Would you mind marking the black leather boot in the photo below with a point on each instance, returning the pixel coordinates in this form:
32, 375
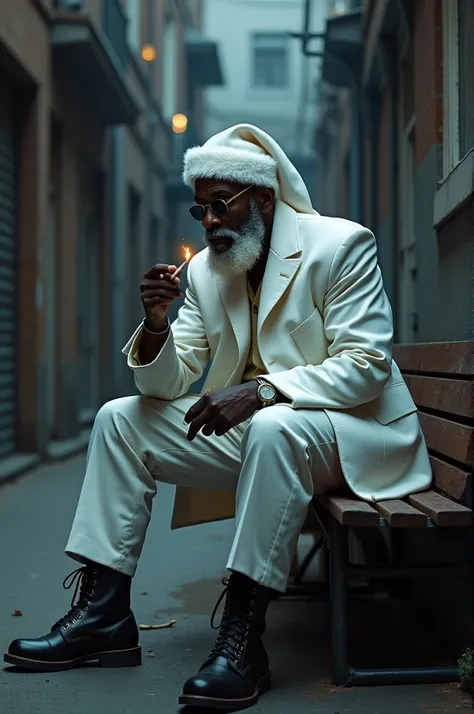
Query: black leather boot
237, 669
99, 626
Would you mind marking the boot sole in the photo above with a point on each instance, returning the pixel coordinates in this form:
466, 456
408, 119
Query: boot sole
228, 704
111, 658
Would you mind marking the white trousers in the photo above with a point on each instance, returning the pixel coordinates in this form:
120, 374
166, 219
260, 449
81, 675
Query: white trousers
276, 461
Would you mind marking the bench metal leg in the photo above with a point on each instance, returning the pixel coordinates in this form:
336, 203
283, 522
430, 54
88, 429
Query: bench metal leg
297, 588
339, 602
343, 673
429, 675
307, 560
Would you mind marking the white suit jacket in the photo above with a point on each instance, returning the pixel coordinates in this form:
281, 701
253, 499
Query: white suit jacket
325, 336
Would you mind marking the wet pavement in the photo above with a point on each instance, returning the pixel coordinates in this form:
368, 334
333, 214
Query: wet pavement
178, 578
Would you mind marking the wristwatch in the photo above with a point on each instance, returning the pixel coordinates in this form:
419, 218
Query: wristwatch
266, 392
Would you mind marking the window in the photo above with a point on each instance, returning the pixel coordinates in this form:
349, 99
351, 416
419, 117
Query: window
270, 61
450, 85
458, 89
340, 7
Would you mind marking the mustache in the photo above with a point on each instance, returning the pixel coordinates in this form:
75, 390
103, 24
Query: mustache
222, 233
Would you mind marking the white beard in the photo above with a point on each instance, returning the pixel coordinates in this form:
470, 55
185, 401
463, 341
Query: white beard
246, 248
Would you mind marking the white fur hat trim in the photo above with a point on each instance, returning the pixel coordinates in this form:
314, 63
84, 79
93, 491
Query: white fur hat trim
230, 164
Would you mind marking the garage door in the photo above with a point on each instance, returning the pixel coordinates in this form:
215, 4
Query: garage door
8, 263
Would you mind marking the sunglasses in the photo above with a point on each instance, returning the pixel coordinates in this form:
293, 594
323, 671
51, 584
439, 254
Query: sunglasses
219, 206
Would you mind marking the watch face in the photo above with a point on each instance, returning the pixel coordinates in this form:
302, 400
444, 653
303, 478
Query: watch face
267, 392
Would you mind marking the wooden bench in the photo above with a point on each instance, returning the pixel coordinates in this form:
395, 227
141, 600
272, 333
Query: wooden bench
440, 377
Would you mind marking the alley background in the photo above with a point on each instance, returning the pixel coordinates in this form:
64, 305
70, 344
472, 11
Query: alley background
374, 103
100, 98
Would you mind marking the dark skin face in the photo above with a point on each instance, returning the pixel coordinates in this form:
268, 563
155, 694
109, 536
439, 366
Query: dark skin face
219, 410
208, 190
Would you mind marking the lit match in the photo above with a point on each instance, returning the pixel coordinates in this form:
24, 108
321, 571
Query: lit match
179, 270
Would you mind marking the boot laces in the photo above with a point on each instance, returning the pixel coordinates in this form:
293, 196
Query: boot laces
235, 622
84, 582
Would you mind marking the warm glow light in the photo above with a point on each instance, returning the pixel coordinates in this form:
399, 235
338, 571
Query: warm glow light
179, 123
179, 270
148, 53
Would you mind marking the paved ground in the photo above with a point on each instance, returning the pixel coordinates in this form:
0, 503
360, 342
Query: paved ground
179, 578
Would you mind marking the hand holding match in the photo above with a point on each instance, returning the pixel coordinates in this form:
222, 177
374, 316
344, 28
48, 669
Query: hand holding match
158, 290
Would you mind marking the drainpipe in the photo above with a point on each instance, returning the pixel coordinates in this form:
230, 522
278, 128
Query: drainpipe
151, 135
373, 122
356, 169
117, 297
390, 78
395, 202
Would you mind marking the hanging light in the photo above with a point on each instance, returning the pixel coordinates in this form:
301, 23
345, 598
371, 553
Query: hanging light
148, 53
179, 123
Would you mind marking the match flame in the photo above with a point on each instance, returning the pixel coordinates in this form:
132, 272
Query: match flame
187, 254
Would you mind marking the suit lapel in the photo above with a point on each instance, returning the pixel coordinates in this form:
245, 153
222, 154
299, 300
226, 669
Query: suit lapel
279, 274
234, 295
283, 260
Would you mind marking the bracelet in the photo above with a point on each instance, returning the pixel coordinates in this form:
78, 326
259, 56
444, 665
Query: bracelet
158, 332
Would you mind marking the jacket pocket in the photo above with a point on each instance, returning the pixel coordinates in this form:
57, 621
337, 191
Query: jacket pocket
310, 338
394, 403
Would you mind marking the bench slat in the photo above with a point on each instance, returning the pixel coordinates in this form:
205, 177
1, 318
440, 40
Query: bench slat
453, 396
448, 438
456, 358
351, 512
440, 509
401, 515
449, 479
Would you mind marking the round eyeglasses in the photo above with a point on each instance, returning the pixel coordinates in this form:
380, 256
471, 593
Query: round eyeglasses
219, 206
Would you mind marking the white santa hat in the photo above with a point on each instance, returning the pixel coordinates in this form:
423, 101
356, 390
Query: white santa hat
247, 155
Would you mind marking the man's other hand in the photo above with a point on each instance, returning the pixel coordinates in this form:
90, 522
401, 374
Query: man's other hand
219, 410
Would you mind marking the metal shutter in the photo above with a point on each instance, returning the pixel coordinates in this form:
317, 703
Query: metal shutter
8, 267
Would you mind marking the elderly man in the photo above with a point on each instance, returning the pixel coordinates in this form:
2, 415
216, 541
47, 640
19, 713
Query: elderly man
302, 396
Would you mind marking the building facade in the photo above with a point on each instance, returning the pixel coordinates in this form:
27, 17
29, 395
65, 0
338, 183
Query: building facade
88, 177
267, 81
395, 147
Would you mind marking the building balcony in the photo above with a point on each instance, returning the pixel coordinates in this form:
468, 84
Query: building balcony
203, 63
94, 59
342, 58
